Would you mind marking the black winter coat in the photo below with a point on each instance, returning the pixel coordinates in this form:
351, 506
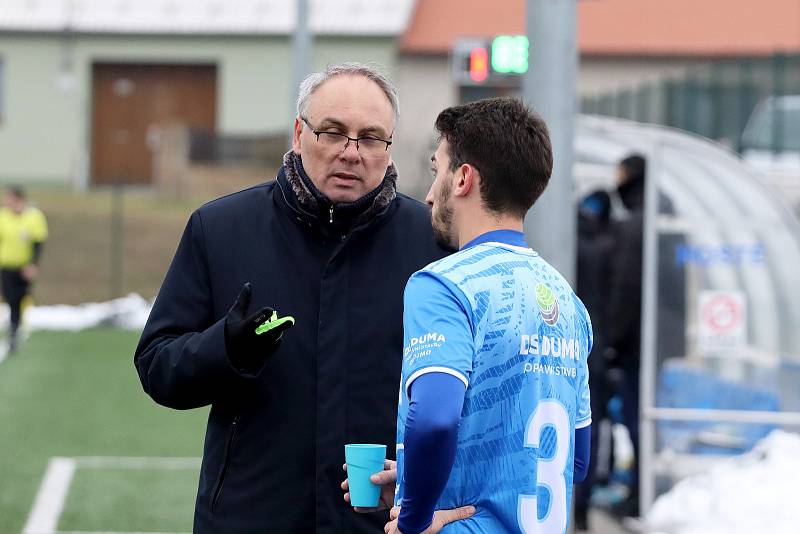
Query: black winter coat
625, 300
274, 445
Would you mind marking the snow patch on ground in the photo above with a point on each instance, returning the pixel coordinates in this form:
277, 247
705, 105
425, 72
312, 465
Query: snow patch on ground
752, 493
129, 312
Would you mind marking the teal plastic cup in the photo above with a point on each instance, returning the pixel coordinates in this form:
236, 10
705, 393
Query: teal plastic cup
363, 461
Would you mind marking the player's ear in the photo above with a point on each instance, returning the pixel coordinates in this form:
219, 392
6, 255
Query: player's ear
466, 179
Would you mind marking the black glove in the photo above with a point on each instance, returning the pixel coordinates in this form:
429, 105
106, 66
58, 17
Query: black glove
250, 340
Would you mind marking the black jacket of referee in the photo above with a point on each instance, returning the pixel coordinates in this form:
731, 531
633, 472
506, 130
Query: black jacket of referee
274, 445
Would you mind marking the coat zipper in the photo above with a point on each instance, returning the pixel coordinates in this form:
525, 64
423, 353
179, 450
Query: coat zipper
331, 215
225, 462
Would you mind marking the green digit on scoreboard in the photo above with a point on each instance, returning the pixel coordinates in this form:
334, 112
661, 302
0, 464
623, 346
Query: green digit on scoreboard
510, 54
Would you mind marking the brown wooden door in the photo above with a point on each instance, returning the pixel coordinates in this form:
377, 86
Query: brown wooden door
130, 101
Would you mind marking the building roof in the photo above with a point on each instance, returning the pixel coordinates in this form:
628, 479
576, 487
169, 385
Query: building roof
622, 27
342, 17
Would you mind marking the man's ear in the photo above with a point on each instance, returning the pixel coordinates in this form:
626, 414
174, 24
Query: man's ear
298, 129
466, 179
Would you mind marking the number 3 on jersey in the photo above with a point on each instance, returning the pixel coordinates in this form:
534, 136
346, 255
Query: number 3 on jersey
550, 472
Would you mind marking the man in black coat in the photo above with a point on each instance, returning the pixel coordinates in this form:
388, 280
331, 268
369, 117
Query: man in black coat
330, 244
594, 255
625, 306
625, 300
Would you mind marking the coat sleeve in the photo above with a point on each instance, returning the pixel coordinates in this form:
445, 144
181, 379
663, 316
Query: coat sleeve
181, 356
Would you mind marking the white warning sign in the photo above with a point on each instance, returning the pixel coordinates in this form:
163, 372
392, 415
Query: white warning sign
723, 320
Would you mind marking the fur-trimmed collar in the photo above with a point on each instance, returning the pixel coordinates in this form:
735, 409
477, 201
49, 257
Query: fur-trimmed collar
348, 215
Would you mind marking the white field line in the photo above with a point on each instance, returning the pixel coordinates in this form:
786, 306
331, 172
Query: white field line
46, 511
49, 503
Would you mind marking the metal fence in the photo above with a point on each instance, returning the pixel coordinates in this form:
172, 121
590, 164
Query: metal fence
714, 99
213, 148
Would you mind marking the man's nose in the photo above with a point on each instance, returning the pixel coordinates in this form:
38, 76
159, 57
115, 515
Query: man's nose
350, 151
429, 198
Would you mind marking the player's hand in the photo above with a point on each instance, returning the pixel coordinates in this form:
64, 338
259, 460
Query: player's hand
30, 272
248, 350
386, 479
440, 519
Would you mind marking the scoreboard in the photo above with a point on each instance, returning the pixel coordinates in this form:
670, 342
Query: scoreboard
492, 62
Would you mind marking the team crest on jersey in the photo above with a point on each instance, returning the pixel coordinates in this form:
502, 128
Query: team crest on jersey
548, 304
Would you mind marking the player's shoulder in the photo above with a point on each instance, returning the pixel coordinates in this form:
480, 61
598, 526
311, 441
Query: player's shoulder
439, 277
469, 260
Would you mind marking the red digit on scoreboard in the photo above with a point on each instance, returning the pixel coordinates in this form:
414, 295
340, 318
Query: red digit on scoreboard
479, 64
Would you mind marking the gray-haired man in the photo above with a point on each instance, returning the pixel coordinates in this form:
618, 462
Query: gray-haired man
331, 244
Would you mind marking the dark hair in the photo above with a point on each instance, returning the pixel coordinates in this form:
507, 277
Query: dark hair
634, 167
17, 191
507, 143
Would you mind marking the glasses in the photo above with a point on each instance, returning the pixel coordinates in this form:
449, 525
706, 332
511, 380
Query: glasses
367, 146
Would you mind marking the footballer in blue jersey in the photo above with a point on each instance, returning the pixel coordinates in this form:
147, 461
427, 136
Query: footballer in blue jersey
494, 397
504, 322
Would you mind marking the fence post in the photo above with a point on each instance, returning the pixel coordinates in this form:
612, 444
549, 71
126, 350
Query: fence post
670, 103
644, 103
689, 102
778, 82
744, 107
117, 239
717, 101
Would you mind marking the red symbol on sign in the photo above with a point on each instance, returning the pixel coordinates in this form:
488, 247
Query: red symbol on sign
722, 313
